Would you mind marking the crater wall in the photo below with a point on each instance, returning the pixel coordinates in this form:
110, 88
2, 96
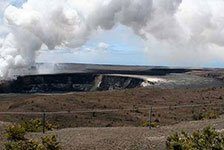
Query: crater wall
79, 82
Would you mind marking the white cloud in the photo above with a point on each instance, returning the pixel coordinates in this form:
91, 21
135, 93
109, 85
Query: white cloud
103, 46
3, 30
3, 5
1, 42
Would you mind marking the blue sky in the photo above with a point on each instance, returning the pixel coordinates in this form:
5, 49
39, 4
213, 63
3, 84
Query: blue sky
124, 47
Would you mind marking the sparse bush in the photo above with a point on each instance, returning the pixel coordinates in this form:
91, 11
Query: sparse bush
50, 142
50, 126
23, 145
35, 125
207, 139
153, 124
15, 133
211, 115
145, 124
207, 115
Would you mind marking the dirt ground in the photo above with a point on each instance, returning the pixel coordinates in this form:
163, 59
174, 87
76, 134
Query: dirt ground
209, 99
129, 138
119, 138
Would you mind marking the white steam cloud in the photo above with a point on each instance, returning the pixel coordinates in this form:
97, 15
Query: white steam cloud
180, 24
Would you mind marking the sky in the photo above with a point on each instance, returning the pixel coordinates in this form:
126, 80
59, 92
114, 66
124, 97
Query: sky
119, 45
104, 47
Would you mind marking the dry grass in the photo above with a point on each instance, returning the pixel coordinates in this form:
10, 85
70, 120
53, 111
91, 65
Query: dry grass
133, 98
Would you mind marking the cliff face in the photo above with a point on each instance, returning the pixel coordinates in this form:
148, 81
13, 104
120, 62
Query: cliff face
81, 82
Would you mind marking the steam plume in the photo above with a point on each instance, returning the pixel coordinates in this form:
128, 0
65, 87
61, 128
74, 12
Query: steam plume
69, 23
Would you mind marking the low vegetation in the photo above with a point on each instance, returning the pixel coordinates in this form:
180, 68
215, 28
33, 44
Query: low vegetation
16, 140
15, 133
206, 115
47, 143
50, 143
152, 124
207, 139
35, 125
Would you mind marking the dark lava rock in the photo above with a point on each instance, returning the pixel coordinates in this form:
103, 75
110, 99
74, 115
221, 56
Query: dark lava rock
80, 82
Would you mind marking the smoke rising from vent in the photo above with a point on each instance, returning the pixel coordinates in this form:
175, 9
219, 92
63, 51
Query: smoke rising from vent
180, 24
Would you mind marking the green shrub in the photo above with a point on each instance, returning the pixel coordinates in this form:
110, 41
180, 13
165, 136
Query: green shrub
47, 143
50, 127
147, 124
15, 133
211, 115
35, 125
207, 115
12, 146
50, 142
22, 145
207, 139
